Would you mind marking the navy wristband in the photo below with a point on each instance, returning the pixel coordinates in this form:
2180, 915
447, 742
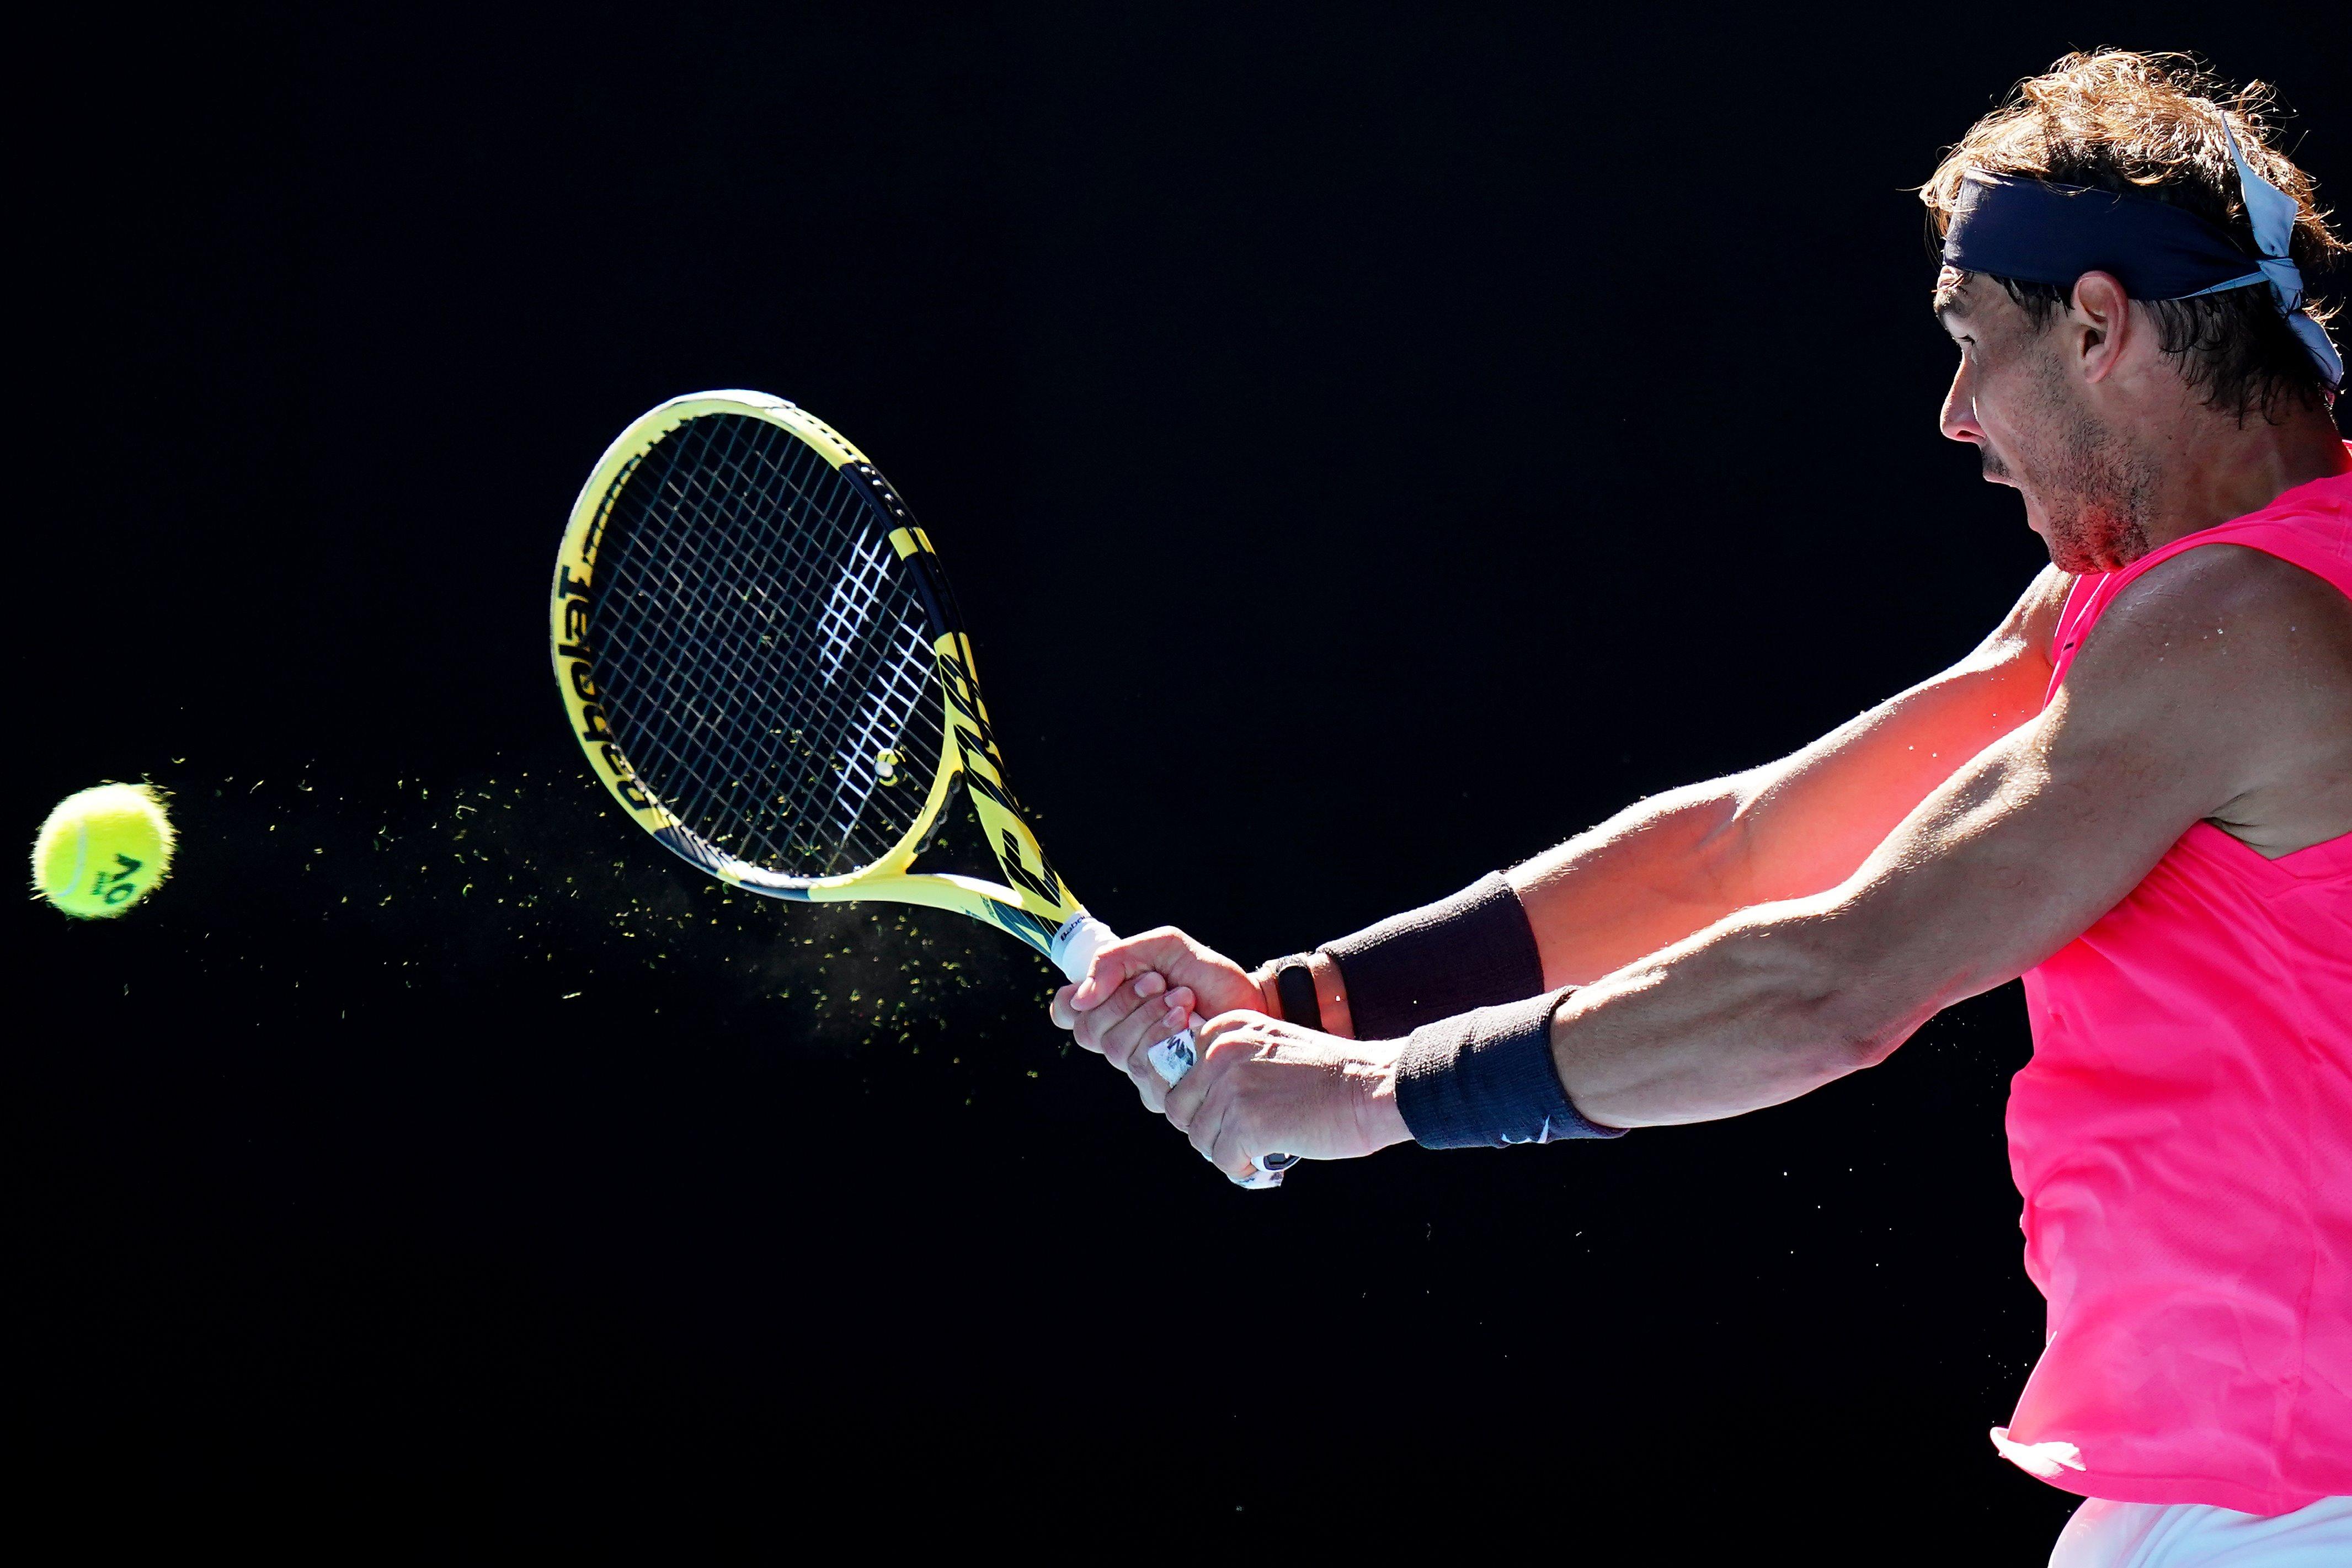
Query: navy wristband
1486, 1079
1473, 950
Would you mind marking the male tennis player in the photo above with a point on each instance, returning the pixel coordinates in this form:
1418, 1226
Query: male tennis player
2136, 794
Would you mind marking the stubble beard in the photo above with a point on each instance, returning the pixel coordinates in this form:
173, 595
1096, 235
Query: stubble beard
2095, 489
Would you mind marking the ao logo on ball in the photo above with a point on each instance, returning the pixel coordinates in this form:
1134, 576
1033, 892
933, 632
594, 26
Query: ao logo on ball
102, 849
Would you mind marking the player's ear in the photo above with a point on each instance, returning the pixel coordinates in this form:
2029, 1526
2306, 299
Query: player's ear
2099, 323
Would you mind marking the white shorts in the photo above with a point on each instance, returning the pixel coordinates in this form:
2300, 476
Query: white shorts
2104, 1534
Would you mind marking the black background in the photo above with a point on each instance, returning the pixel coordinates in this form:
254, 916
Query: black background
1369, 445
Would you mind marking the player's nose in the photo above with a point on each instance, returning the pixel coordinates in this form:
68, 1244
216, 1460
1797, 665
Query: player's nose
1957, 419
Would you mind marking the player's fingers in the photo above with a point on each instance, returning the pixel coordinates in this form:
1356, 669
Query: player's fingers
1224, 1131
1186, 1098
1149, 1082
1150, 1090
1085, 1027
1225, 1024
1118, 1024
1096, 1026
1120, 962
1146, 1024
1199, 1122
1230, 1151
1216, 1132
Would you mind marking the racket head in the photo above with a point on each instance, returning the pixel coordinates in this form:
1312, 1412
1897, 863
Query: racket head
761, 655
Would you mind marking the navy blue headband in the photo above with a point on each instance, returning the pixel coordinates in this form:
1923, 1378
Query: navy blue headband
2038, 232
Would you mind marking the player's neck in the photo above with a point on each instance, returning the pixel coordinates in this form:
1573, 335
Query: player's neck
2215, 468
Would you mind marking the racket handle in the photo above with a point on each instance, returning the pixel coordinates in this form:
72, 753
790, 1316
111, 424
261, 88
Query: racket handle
1072, 952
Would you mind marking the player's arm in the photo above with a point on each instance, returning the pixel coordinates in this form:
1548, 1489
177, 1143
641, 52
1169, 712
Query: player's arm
1675, 863
1657, 871
2200, 695
2218, 687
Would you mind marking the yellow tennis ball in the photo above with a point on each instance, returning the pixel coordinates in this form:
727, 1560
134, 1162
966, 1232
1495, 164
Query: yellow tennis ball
102, 848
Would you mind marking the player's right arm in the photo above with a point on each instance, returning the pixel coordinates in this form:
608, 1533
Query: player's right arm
1666, 866
1675, 863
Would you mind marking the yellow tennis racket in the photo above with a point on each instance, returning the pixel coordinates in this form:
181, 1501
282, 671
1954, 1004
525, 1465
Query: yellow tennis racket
761, 655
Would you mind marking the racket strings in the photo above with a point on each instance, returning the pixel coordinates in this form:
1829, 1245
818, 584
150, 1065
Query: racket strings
859, 558
765, 664
849, 782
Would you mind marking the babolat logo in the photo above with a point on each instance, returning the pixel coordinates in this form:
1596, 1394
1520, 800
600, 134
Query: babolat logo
633, 793
579, 673
596, 734
571, 593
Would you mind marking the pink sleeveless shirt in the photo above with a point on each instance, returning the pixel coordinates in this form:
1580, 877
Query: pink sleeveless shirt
2183, 1140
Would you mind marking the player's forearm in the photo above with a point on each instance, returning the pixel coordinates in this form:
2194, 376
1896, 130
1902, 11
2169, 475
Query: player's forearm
1778, 998
1653, 874
1657, 871
1671, 865
1676, 863
1760, 1009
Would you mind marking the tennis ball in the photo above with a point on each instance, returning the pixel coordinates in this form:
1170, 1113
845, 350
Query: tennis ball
102, 848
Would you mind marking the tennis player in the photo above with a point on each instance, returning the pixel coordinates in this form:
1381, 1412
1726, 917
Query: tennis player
2136, 794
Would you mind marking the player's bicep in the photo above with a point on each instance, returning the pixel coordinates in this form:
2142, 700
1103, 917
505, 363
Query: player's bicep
2055, 824
1806, 823
2004, 864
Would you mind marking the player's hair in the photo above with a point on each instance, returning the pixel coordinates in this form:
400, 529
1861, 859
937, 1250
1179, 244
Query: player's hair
2150, 124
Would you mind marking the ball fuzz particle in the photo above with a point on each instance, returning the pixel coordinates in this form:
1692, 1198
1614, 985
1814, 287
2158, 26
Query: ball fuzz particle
102, 849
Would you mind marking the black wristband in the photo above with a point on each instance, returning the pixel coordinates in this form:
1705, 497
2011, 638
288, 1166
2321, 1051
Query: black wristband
1293, 987
1473, 950
1486, 1079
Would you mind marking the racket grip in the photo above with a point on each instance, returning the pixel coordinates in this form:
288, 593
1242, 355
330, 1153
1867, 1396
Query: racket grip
1072, 952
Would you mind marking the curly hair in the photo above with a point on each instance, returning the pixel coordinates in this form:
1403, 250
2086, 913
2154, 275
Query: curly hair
2151, 125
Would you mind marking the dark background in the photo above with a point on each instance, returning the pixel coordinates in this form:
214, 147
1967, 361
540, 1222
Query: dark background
1369, 445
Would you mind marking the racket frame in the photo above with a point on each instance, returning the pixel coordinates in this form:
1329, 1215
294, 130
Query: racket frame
1038, 907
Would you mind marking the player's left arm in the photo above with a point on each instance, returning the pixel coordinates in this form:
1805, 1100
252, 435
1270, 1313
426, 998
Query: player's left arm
2218, 687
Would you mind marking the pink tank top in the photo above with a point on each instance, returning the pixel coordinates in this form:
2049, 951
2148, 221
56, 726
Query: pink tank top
2183, 1140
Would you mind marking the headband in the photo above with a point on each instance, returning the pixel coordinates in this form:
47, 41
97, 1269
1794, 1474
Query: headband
2036, 231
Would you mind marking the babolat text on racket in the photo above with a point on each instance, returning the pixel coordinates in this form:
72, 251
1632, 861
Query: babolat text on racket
761, 655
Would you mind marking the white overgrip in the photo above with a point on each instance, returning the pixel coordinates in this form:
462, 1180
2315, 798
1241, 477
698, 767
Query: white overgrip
1074, 946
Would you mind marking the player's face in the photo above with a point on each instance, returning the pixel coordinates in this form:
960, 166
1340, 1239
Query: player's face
2012, 399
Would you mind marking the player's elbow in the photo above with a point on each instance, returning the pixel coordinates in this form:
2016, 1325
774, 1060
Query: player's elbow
1847, 1031
1849, 1012
1867, 1017
1869, 1046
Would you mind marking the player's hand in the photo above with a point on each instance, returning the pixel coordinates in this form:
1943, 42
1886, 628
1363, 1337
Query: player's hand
1143, 988
1263, 1087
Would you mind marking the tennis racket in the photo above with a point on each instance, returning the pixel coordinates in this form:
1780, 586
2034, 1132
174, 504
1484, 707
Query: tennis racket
761, 655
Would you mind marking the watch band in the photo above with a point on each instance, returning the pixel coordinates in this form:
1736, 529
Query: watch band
1293, 987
